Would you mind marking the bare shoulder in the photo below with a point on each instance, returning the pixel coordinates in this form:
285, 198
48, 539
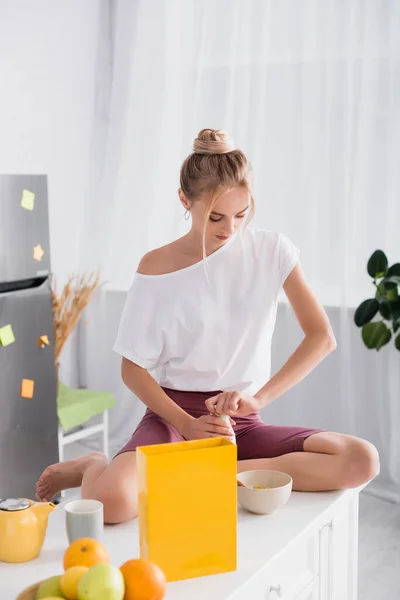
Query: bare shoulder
158, 261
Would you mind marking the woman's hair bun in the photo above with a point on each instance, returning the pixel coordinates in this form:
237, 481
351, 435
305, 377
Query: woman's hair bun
213, 141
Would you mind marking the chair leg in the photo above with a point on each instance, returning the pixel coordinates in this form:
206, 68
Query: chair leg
60, 444
61, 450
105, 433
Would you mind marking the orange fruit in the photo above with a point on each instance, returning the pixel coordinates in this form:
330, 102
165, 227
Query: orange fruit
144, 580
85, 552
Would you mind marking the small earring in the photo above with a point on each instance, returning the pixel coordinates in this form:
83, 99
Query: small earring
187, 214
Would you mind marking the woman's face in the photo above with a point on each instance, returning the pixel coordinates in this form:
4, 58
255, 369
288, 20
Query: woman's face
226, 218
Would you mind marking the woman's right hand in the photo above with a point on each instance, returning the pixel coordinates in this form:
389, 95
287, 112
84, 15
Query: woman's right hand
206, 426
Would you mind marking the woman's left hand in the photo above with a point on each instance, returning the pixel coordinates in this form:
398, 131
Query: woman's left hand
234, 404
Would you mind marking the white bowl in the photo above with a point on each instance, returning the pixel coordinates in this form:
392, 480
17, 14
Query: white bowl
264, 501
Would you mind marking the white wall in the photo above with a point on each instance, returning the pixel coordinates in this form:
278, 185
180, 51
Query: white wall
47, 75
47, 70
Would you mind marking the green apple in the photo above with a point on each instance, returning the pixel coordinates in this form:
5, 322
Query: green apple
49, 587
102, 582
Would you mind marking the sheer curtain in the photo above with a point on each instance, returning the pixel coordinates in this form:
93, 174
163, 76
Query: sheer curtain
310, 91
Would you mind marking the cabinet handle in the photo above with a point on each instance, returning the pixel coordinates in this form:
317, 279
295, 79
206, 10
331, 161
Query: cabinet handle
275, 588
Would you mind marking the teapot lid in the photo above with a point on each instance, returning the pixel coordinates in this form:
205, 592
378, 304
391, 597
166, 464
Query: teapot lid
11, 504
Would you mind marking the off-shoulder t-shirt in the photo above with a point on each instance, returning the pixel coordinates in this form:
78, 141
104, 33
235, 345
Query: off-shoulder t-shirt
209, 326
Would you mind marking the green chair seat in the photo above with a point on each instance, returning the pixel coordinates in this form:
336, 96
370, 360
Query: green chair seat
75, 407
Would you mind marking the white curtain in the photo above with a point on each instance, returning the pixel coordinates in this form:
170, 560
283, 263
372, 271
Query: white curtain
310, 90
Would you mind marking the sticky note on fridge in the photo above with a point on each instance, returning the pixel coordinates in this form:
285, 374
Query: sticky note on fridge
27, 388
38, 252
6, 335
43, 340
28, 200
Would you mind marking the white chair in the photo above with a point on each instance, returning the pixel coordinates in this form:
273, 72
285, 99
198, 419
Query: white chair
84, 432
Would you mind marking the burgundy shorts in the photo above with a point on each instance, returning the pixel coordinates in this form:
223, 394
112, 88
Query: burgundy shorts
254, 438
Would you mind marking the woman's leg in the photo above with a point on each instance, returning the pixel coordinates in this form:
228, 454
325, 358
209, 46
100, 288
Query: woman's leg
328, 461
114, 484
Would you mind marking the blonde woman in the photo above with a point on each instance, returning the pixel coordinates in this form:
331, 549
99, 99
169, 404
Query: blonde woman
202, 311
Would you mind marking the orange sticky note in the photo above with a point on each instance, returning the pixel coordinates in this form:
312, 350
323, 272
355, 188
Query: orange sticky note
27, 388
43, 341
38, 252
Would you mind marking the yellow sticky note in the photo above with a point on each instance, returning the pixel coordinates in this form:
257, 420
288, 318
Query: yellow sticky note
6, 335
27, 388
28, 200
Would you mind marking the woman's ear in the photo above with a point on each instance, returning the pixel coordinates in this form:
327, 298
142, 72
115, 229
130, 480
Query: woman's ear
185, 202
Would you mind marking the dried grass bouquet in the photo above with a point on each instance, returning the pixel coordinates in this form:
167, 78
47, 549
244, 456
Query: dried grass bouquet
68, 307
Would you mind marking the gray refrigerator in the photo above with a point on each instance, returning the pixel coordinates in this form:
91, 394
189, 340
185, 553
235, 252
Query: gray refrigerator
28, 388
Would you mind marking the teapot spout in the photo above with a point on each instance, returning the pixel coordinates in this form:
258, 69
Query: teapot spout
42, 511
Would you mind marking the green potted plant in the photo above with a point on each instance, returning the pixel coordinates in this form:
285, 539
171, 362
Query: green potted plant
385, 304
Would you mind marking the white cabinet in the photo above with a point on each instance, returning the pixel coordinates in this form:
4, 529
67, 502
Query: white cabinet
342, 560
287, 575
338, 542
320, 564
311, 592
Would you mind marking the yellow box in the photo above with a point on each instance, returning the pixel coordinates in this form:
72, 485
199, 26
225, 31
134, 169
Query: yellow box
188, 507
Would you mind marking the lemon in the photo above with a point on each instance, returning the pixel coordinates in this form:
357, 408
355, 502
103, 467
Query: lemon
70, 581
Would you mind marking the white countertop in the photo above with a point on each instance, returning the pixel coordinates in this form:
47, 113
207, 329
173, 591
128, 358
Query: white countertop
260, 538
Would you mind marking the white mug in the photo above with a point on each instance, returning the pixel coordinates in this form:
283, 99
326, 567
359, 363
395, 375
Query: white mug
84, 518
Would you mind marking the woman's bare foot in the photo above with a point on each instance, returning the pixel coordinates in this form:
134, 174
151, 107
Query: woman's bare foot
64, 475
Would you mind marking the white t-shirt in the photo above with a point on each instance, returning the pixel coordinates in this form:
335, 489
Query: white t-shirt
209, 326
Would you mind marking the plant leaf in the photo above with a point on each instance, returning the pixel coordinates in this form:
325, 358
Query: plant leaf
377, 264
394, 270
380, 292
396, 326
397, 342
392, 294
393, 279
384, 309
365, 312
395, 306
375, 335
384, 338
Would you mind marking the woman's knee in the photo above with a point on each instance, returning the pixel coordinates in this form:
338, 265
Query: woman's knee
120, 505
360, 462
116, 488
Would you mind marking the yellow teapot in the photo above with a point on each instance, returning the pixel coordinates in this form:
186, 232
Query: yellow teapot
23, 525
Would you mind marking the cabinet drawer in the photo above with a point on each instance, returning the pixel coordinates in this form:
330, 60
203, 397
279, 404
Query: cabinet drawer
286, 576
311, 592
